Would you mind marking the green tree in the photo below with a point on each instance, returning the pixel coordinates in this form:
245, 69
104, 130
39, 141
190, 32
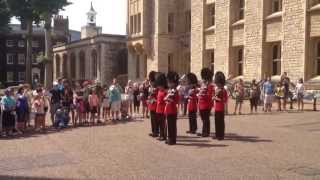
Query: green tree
24, 10
46, 9
4, 16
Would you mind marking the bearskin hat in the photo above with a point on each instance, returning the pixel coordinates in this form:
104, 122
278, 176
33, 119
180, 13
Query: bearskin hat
152, 76
173, 77
161, 80
206, 74
192, 78
220, 79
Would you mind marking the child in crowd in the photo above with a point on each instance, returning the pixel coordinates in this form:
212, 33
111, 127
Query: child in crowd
192, 105
94, 104
205, 100
80, 107
300, 94
220, 98
279, 94
171, 109
38, 107
161, 82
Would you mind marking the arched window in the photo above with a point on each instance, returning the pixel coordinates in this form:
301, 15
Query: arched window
82, 64
73, 66
240, 62
276, 59
318, 58
65, 65
94, 57
58, 65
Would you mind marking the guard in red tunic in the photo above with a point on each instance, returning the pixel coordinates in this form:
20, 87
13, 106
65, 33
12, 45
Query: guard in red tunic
205, 100
192, 102
171, 109
220, 98
161, 82
152, 104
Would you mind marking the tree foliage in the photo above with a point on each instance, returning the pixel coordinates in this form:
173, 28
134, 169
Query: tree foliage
4, 16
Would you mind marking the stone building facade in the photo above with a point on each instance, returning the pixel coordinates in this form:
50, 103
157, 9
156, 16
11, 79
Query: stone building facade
96, 56
243, 38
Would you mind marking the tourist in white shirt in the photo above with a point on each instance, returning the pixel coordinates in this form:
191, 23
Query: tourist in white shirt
300, 94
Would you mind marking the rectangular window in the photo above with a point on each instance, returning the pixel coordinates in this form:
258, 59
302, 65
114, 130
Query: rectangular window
188, 21
21, 59
318, 59
170, 22
34, 58
10, 76
241, 9
10, 58
131, 25
138, 67
35, 44
21, 43
276, 60
170, 62
10, 43
240, 62
276, 6
212, 61
21, 76
139, 23
211, 15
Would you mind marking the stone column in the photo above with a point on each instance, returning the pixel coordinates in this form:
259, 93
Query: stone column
222, 51
294, 38
253, 37
197, 35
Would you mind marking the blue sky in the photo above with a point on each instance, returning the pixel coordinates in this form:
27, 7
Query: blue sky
112, 14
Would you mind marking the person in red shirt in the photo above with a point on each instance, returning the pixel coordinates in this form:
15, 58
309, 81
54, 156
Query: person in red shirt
171, 109
220, 99
205, 100
192, 104
152, 104
161, 82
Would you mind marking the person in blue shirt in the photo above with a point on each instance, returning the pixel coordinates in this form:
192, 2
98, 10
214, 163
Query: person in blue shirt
8, 117
22, 109
268, 91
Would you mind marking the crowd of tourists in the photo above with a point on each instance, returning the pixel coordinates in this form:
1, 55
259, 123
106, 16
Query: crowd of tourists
161, 97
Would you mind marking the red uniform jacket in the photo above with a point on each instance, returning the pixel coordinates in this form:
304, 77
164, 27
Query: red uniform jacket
162, 93
172, 102
205, 97
152, 99
219, 104
192, 100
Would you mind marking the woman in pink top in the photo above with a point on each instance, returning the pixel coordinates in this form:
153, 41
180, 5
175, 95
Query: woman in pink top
94, 104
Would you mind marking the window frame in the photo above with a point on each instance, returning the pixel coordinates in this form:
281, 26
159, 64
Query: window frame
241, 10
20, 43
19, 59
170, 62
240, 61
171, 22
211, 15
35, 44
10, 61
276, 60
10, 43
23, 75
317, 58
279, 8
12, 74
138, 58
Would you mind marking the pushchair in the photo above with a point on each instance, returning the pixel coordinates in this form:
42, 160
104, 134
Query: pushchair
61, 119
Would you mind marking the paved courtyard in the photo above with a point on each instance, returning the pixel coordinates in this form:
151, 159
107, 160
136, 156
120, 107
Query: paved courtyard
277, 146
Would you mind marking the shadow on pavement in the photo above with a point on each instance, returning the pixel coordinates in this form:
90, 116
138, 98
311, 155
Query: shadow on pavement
202, 145
196, 142
246, 139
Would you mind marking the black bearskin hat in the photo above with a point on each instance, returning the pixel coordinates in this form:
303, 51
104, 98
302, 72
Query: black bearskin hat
173, 77
161, 80
192, 78
152, 76
206, 74
220, 79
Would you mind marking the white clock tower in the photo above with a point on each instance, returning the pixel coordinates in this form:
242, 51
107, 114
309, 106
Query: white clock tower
91, 29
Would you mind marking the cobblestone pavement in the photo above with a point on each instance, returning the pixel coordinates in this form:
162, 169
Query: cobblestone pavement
263, 146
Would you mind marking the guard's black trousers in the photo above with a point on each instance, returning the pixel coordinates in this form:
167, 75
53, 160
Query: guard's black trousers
161, 119
220, 124
172, 128
193, 121
154, 123
205, 117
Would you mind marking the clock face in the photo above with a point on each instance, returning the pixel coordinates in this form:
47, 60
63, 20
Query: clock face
91, 19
